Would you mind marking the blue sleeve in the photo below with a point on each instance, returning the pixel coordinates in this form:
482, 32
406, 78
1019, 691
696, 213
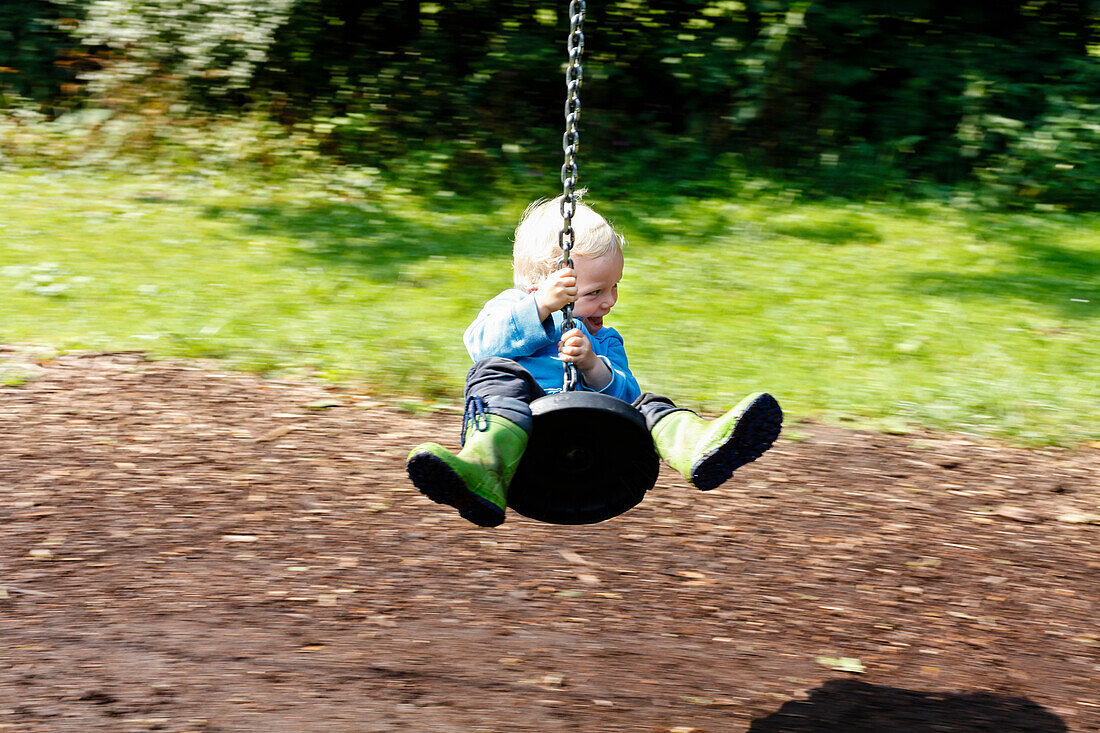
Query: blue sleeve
613, 353
508, 326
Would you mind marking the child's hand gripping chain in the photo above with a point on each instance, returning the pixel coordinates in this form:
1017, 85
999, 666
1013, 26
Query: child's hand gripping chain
574, 347
555, 291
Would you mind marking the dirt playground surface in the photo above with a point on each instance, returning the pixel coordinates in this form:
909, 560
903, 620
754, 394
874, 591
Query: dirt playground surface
188, 549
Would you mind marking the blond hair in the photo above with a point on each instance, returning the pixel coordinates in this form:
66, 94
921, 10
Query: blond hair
536, 253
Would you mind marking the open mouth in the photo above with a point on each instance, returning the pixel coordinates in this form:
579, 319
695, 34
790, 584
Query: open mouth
594, 323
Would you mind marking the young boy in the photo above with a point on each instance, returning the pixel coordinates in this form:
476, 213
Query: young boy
519, 354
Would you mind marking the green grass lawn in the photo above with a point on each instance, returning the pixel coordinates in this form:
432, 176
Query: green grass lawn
881, 315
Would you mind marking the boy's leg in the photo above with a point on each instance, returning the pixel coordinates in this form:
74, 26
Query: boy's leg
504, 388
654, 407
495, 429
707, 453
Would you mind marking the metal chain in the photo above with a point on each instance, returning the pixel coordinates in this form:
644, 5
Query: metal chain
569, 172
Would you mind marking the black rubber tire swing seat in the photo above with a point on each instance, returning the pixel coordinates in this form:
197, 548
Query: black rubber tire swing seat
590, 458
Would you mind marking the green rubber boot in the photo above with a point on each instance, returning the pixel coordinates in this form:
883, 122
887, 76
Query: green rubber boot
475, 482
707, 453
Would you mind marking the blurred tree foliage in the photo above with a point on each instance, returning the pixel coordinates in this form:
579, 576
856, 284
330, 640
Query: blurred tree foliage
842, 96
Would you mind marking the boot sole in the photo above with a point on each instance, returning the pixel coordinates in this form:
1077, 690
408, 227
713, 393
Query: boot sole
439, 482
756, 430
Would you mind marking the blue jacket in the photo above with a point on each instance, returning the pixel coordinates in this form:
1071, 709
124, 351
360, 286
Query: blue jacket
508, 326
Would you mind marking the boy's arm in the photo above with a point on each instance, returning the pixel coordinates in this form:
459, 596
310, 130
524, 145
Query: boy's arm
599, 377
611, 351
508, 326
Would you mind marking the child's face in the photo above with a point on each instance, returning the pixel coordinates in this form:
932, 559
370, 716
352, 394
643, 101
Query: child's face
597, 287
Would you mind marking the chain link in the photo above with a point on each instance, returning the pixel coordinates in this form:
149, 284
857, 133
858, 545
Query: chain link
569, 171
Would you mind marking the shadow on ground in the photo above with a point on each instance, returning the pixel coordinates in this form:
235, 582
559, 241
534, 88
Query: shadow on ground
368, 237
858, 707
1046, 272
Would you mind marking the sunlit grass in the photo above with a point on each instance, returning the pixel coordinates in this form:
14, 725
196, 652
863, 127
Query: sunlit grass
873, 314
